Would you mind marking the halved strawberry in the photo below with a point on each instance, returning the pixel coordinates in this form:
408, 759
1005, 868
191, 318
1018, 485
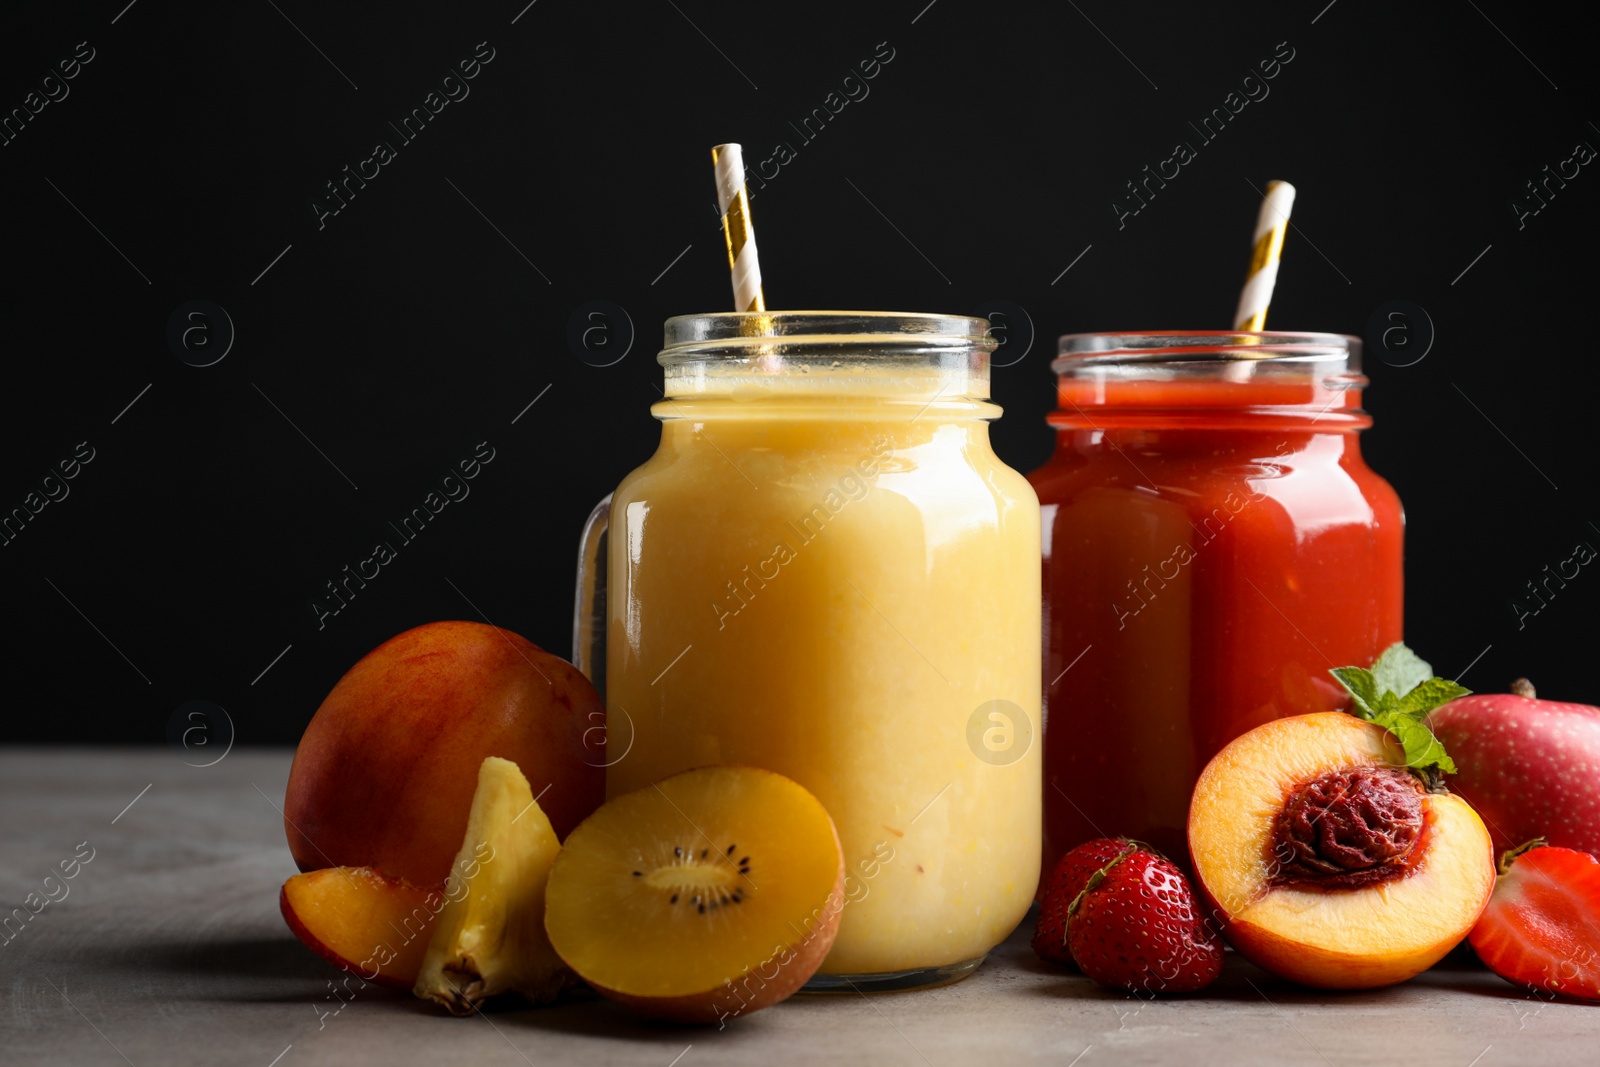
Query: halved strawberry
1072, 873
1541, 930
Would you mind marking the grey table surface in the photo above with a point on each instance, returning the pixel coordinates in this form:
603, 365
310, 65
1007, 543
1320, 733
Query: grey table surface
168, 949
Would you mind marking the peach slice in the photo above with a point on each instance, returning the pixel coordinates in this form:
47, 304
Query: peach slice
490, 937
363, 922
711, 894
1326, 860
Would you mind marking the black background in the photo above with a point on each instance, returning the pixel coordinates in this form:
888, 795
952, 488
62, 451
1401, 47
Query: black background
414, 324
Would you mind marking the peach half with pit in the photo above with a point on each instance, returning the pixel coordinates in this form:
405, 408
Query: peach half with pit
1327, 861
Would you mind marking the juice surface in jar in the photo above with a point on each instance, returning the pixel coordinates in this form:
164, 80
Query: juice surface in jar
826, 571
1214, 544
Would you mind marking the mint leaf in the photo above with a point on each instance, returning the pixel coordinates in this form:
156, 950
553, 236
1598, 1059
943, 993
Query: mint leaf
1397, 694
1429, 695
1400, 670
1363, 688
1423, 750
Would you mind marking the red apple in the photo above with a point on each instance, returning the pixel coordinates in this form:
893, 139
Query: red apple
384, 775
1530, 767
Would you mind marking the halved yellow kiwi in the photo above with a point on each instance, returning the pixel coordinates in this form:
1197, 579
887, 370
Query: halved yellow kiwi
703, 897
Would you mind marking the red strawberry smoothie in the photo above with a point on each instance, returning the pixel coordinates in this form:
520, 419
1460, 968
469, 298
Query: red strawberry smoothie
1214, 543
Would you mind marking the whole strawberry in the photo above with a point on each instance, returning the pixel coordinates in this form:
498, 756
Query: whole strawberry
1541, 929
1071, 874
1136, 927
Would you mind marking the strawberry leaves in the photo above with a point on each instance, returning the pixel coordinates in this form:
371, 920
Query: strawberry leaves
1397, 694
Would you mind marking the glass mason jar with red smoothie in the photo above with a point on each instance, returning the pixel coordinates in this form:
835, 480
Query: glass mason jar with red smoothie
1213, 544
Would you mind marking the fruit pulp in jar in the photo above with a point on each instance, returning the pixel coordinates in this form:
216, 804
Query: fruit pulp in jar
1211, 549
812, 577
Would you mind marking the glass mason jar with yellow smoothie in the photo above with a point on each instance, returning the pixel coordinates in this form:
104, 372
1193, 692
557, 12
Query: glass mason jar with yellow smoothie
825, 571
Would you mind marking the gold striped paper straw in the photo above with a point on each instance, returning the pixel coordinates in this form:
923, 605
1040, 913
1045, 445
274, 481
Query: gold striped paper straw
1271, 225
734, 204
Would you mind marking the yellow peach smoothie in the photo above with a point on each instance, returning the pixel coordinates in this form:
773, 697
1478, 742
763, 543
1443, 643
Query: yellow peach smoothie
826, 571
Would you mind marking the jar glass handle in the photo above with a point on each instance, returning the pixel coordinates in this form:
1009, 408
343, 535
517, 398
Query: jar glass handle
589, 607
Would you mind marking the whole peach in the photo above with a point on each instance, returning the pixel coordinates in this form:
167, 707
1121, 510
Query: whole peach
385, 772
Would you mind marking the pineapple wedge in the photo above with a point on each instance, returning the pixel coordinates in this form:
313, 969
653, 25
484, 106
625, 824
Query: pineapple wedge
490, 938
